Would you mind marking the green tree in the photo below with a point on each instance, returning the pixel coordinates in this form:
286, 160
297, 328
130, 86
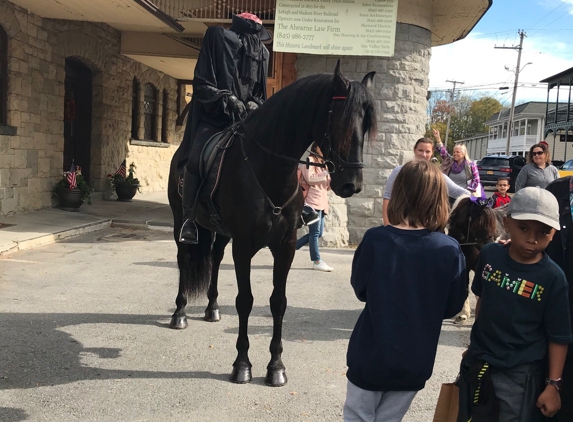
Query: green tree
468, 116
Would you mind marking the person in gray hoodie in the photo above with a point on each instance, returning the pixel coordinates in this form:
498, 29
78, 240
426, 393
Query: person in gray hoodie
539, 171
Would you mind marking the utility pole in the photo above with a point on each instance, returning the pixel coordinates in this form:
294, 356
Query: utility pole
452, 95
521, 33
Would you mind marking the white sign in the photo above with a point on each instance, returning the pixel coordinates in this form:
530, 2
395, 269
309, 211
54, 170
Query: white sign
343, 27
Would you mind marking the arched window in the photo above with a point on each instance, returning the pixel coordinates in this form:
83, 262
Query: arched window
150, 112
3, 76
164, 117
135, 109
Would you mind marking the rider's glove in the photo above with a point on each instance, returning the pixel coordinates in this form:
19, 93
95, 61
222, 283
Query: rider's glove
251, 106
236, 106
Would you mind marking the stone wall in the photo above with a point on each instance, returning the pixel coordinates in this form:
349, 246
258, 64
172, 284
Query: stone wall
400, 88
31, 146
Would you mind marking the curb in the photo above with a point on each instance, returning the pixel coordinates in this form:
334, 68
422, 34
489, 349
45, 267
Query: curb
141, 224
54, 237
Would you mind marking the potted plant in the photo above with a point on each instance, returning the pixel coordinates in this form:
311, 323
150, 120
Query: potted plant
72, 190
125, 187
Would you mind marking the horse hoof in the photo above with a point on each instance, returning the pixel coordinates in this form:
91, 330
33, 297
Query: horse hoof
461, 319
178, 322
276, 378
212, 315
241, 375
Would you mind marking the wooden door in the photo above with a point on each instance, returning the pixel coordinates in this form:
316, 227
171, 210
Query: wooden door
282, 71
77, 116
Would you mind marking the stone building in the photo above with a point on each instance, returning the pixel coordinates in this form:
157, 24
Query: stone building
100, 80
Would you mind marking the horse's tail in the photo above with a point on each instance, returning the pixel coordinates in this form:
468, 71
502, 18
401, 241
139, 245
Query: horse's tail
196, 267
194, 261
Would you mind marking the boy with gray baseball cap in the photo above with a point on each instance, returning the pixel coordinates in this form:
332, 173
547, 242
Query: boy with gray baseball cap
522, 320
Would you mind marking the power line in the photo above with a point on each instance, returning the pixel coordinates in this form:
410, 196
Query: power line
548, 14
553, 21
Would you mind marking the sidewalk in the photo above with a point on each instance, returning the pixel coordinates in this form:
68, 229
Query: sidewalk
37, 228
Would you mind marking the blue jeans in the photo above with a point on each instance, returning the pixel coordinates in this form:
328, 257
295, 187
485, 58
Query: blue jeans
311, 238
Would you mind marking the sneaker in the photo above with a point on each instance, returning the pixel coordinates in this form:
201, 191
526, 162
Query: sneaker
321, 266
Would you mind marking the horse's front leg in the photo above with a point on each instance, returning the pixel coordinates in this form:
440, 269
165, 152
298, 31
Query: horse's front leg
179, 317
242, 257
212, 311
283, 254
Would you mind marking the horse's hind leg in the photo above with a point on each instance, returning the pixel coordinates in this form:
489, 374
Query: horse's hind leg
212, 311
283, 254
179, 318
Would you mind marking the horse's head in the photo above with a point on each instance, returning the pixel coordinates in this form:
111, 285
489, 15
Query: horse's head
352, 119
473, 224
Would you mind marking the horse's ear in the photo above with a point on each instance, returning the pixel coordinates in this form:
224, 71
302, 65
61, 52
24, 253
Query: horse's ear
367, 80
339, 79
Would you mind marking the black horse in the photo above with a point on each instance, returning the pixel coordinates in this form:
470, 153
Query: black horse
474, 225
259, 171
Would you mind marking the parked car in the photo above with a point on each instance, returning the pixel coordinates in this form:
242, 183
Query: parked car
566, 169
493, 167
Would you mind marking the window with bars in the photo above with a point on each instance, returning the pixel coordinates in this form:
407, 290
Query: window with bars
3, 76
164, 117
150, 112
135, 109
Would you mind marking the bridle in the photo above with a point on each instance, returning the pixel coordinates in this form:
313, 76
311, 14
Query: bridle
327, 162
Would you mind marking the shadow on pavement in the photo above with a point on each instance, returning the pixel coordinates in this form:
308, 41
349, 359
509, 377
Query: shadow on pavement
36, 352
10, 414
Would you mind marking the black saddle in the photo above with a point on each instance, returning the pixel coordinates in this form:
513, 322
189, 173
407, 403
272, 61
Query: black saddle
212, 149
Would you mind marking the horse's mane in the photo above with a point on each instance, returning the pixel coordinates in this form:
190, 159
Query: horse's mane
304, 104
483, 222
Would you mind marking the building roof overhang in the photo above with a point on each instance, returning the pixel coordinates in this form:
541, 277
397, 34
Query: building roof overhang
448, 20
453, 20
562, 78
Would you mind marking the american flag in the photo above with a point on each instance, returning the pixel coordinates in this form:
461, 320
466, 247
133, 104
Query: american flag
72, 176
122, 170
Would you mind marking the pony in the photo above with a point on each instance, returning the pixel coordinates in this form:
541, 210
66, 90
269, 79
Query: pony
474, 225
259, 171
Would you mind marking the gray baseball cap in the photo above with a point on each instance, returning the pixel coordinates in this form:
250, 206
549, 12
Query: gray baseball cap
535, 204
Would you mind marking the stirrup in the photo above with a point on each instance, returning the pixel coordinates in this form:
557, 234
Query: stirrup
188, 233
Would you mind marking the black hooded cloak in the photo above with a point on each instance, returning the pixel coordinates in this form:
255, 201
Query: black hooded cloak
231, 62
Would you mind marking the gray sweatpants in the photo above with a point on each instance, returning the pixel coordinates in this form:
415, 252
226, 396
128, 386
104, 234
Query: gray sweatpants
376, 406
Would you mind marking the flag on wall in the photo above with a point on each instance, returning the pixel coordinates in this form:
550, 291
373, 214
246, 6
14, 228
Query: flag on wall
72, 176
122, 170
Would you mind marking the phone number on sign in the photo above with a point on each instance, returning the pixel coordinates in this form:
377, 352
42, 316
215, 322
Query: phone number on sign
295, 37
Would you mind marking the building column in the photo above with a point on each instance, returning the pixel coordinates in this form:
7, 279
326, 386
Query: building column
400, 88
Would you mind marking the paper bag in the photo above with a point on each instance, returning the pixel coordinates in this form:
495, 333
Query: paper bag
447, 407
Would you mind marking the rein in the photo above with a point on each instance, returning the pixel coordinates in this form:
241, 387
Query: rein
276, 210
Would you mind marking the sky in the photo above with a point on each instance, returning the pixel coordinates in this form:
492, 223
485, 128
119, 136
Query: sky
548, 46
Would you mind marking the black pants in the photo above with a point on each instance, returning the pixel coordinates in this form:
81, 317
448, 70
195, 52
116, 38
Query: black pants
508, 395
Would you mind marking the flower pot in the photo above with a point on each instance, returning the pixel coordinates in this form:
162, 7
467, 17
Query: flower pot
70, 199
125, 191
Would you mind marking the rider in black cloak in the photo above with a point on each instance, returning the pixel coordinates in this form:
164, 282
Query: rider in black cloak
230, 80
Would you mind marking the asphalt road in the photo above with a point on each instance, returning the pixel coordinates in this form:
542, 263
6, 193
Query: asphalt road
84, 336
